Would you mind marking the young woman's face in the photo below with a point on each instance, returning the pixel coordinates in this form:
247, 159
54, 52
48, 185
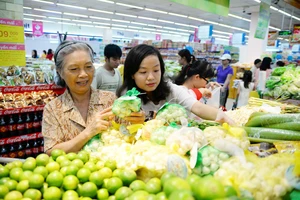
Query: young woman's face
78, 71
148, 76
199, 82
181, 60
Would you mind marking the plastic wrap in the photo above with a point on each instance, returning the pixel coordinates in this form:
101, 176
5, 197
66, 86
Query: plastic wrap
93, 144
160, 135
171, 113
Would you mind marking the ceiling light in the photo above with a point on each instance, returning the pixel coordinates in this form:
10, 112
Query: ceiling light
211, 22
106, 1
34, 15
160, 20
184, 33
158, 11
170, 28
85, 25
134, 27
173, 32
29, 19
147, 18
126, 15
73, 14
150, 29
138, 23
153, 25
70, 6
145, 31
297, 18
101, 23
221, 36
222, 32
197, 19
224, 25
101, 11
222, 39
235, 16
245, 19
66, 23
162, 31
178, 15
182, 24
179, 29
27, 8
81, 21
50, 11
287, 40
119, 25
280, 38
246, 36
132, 30
117, 20
64, 19
47, 21
258, 1
189, 31
102, 27
116, 28
41, 1
193, 26
272, 27
131, 6
273, 8
92, 17
285, 13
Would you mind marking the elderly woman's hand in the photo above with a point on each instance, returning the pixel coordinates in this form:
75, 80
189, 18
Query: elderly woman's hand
100, 122
136, 118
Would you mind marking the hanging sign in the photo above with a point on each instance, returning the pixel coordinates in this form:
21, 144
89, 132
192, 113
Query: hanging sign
37, 28
205, 32
296, 34
263, 19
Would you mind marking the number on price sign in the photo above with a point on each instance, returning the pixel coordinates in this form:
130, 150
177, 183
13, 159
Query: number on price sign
11, 34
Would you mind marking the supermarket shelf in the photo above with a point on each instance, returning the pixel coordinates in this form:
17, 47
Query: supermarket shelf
21, 138
27, 109
30, 88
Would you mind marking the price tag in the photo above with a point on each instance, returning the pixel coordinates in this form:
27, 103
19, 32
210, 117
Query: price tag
11, 30
12, 54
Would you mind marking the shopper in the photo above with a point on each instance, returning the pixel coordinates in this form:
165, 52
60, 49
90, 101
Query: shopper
185, 57
144, 69
108, 76
224, 74
34, 54
280, 63
49, 54
263, 73
44, 54
244, 89
257, 64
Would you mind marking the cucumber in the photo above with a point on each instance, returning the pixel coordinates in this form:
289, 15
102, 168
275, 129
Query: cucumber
260, 140
294, 126
272, 133
269, 119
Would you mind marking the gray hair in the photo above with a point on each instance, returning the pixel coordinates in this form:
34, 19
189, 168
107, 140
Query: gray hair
64, 49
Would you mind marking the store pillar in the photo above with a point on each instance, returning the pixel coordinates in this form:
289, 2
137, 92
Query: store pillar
256, 47
11, 9
107, 36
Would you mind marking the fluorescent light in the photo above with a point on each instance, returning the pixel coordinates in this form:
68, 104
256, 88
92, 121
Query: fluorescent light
131, 6
116, 28
106, 1
170, 28
70, 6
149, 29
102, 27
235, 16
222, 39
153, 25
119, 25
48, 21
221, 36
144, 31
246, 36
158, 11
85, 25
237, 28
211, 22
101, 23
222, 32
162, 31
41, 1
272, 27
101, 11
178, 15
134, 27
74, 20
285, 13
258, 1
64, 19
73, 14
29, 19
147, 18
126, 15
245, 19
166, 21
50, 11
138, 23
182, 24
224, 25
193, 26
273, 8
197, 19
189, 31
286, 40
92, 17
66, 23
117, 20
131, 30
297, 18
280, 38
35, 15
27, 8
184, 33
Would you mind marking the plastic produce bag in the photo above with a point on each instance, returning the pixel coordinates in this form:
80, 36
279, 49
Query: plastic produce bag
160, 135
278, 71
93, 144
169, 113
215, 98
127, 104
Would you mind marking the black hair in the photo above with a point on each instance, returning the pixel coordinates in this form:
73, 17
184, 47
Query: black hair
50, 51
247, 78
44, 51
132, 64
280, 63
112, 50
202, 68
184, 53
266, 64
34, 54
257, 61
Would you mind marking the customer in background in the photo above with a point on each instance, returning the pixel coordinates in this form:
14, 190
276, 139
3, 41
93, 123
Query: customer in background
280, 63
186, 57
263, 73
108, 77
34, 54
244, 89
257, 64
49, 54
44, 54
224, 74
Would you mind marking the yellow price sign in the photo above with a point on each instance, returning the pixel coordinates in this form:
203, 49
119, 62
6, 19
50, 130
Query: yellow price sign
11, 31
12, 54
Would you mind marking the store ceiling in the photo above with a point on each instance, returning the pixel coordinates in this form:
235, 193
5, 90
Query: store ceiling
241, 8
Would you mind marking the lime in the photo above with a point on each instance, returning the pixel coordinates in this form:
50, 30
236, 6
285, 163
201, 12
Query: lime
57, 152
42, 170
83, 156
122, 193
175, 183
151, 197
208, 188
15, 173
52, 166
42, 159
111, 164
18, 163
106, 172
85, 198
26, 175
55, 179
71, 156
93, 159
166, 176
61, 158
65, 163
29, 165
45, 186
33, 194
139, 195
70, 195
22, 186
96, 178
117, 173
11, 184
102, 194
77, 162
153, 186
230, 191
100, 165
161, 196
72, 170
91, 166
3, 191
36, 181
88, 189
113, 184
137, 185
111, 197
181, 195
4, 180
63, 170
70, 182
9, 166
105, 181
52, 193
192, 179
14, 195
4, 172
83, 175
127, 176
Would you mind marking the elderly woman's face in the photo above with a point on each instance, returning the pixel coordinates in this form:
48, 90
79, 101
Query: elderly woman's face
78, 71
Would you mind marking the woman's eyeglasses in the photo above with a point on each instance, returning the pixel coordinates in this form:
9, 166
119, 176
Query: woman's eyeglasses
207, 81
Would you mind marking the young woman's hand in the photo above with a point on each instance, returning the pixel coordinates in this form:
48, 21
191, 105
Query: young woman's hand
223, 118
136, 118
206, 93
213, 85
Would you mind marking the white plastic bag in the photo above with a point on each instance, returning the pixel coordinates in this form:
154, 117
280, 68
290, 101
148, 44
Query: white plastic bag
215, 98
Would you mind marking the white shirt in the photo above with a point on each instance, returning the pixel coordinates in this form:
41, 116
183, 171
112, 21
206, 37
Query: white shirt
244, 94
105, 80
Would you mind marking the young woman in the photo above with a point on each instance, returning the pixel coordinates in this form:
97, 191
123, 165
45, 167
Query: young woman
49, 54
244, 89
34, 54
186, 57
44, 55
144, 69
263, 73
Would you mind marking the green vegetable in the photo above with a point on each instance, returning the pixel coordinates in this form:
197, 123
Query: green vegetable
278, 71
272, 82
294, 126
269, 119
271, 133
203, 124
253, 139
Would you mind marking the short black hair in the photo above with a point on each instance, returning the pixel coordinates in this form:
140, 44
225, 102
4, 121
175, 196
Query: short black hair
184, 53
266, 64
280, 63
112, 50
257, 61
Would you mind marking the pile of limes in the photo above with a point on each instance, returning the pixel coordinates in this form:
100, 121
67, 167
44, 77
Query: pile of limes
77, 176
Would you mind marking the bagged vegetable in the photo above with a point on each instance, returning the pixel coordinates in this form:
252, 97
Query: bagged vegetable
278, 71
150, 127
93, 144
160, 135
127, 104
171, 113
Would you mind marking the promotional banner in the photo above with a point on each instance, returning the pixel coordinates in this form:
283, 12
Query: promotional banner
12, 54
158, 37
11, 31
37, 28
263, 19
296, 34
219, 7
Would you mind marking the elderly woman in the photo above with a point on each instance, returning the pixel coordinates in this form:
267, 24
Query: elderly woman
73, 118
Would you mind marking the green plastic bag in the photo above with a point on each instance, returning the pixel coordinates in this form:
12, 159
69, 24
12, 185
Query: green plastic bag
169, 113
160, 135
93, 144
